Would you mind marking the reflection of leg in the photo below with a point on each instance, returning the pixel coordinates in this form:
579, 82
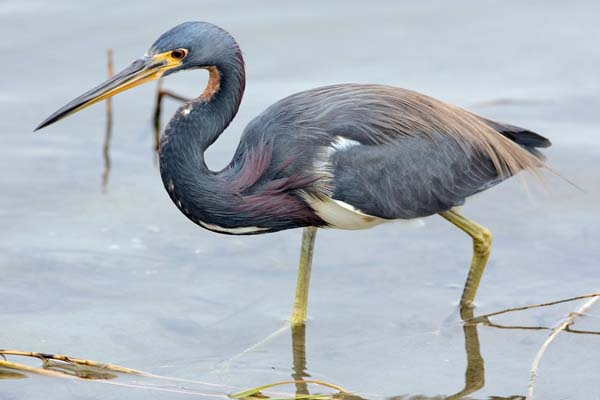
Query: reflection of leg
482, 242
475, 372
299, 355
109, 123
300, 303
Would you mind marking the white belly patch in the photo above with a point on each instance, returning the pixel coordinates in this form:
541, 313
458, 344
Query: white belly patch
342, 215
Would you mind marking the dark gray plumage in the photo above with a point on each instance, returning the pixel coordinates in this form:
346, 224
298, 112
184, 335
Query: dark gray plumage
403, 165
346, 156
380, 151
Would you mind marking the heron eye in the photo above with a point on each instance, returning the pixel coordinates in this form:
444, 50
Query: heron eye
178, 54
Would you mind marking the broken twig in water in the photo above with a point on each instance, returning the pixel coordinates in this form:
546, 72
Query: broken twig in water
491, 324
45, 358
482, 318
61, 366
559, 328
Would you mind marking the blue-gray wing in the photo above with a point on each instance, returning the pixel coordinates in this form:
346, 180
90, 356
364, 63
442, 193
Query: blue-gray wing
414, 177
386, 151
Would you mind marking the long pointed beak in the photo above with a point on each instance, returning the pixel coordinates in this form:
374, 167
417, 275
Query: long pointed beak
140, 71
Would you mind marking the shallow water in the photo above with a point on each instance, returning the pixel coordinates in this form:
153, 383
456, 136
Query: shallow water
120, 276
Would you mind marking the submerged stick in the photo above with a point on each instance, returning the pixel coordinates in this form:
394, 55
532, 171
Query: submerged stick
559, 328
109, 123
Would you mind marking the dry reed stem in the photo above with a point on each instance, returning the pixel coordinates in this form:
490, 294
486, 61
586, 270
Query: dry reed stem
71, 360
26, 368
44, 357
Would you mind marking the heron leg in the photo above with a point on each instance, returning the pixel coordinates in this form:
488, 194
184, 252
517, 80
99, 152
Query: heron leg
482, 242
298, 316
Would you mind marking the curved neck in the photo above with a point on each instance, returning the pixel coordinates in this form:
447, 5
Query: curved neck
198, 123
199, 193
214, 200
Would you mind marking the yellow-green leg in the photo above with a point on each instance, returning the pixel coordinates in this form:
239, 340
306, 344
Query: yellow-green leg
482, 242
298, 316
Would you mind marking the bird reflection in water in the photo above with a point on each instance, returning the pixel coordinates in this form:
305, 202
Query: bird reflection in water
474, 376
474, 373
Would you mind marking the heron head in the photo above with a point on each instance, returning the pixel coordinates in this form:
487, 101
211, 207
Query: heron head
190, 45
194, 45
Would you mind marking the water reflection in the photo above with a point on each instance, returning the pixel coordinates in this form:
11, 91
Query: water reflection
474, 376
109, 125
5, 374
84, 372
474, 373
475, 368
299, 358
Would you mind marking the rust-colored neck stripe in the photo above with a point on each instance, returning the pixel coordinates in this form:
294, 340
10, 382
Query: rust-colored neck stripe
214, 84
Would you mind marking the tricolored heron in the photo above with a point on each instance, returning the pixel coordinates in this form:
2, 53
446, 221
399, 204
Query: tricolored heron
347, 156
